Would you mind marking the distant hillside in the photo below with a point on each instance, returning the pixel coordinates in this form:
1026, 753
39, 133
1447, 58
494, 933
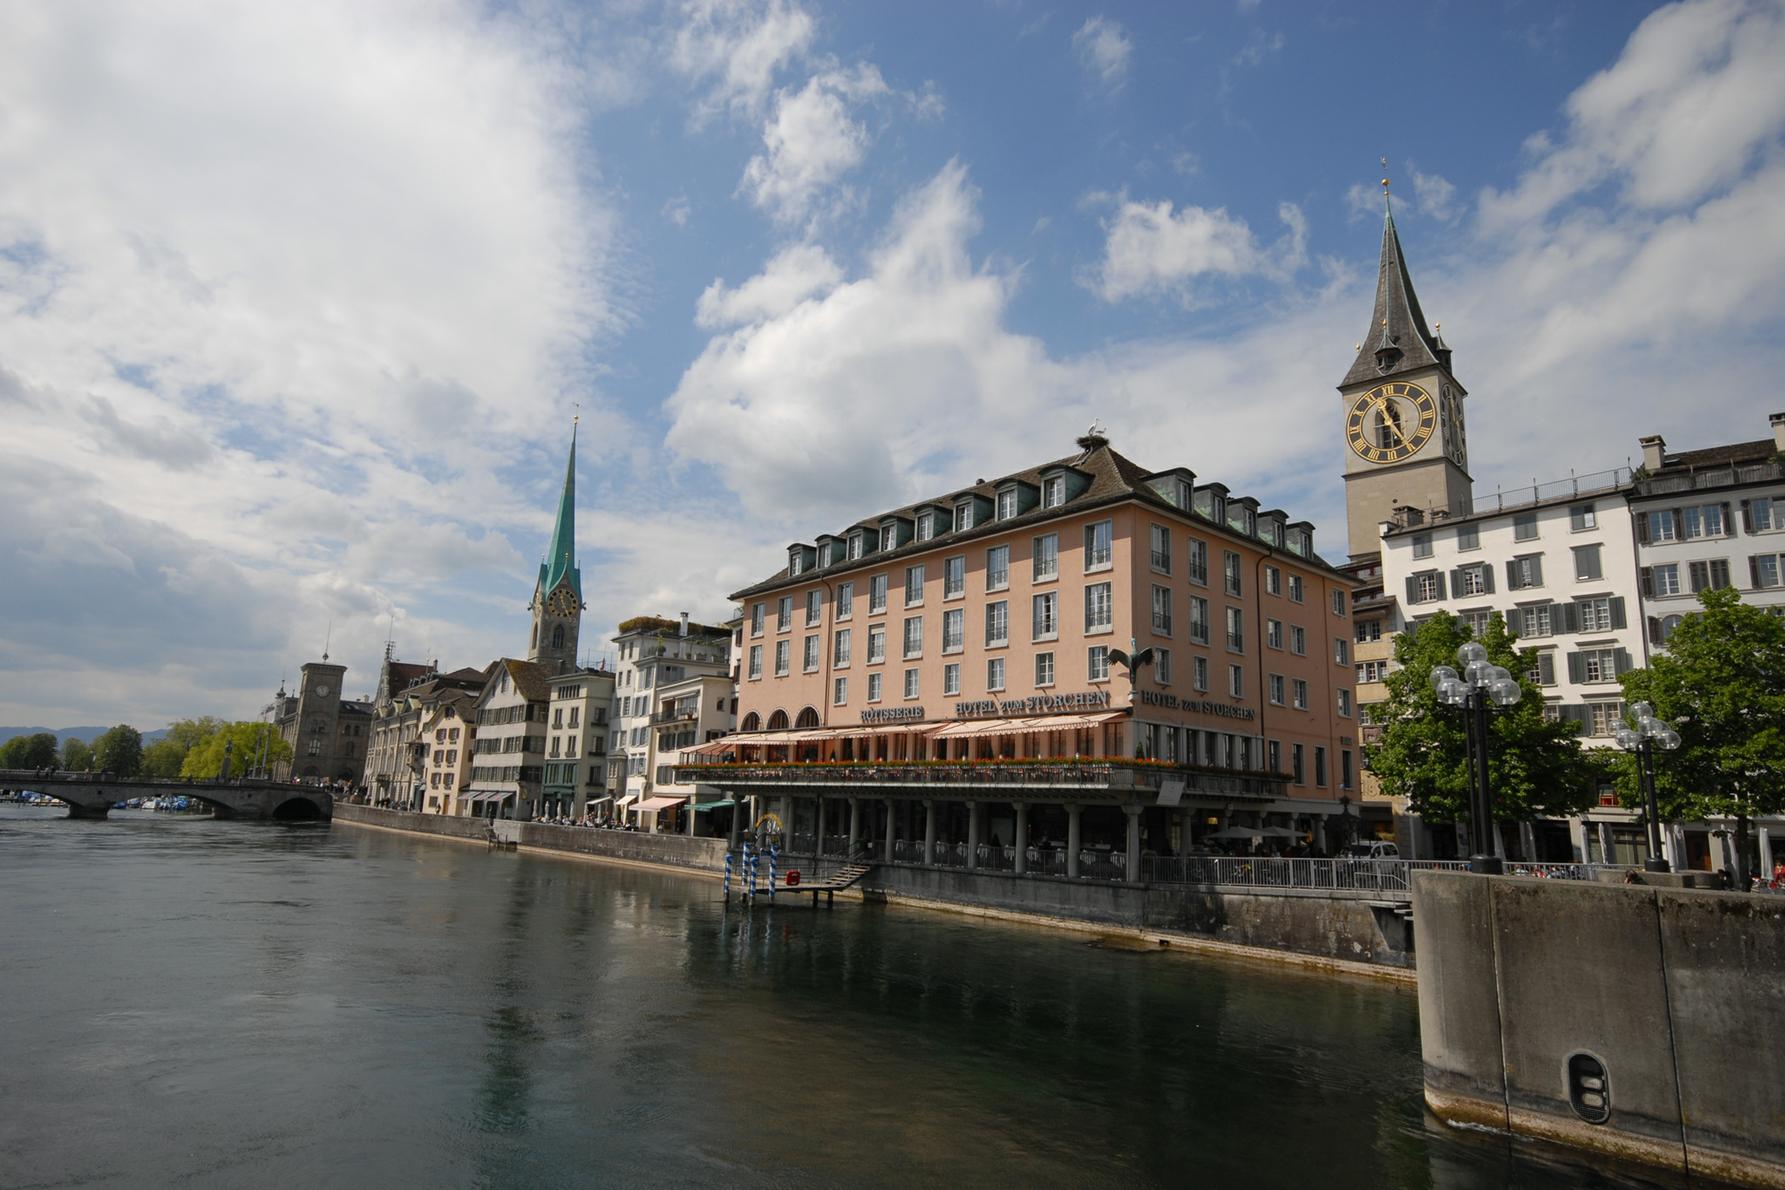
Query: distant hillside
84, 734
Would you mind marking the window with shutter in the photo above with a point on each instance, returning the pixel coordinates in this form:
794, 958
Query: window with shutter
1648, 581
1546, 668
1576, 667
1617, 612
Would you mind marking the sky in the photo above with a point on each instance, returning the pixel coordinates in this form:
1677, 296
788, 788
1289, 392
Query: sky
298, 301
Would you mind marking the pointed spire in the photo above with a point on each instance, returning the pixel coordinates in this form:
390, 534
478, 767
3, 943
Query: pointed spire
1399, 340
560, 559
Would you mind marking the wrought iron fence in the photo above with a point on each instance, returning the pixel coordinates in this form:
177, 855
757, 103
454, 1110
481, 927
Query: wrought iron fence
1387, 876
996, 859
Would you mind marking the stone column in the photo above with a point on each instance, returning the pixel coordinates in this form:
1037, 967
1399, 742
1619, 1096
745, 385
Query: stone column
1132, 872
974, 812
737, 821
818, 826
1527, 841
1606, 854
1765, 836
1320, 832
886, 843
1577, 827
855, 823
1022, 839
1072, 838
929, 830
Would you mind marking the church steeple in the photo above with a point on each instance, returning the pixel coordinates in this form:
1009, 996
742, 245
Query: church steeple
1398, 338
557, 605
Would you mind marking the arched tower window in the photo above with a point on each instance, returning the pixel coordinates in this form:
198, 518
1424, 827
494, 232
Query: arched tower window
558, 636
752, 722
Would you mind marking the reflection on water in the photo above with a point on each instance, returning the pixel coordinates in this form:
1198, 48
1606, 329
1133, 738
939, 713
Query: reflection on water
243, 1004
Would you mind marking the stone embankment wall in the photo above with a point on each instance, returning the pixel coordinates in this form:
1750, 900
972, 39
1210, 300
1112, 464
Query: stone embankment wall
673, 850
1667, 1004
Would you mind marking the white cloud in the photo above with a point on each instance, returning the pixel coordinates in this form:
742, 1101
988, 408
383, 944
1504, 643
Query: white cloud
737, 47
1434, 195
811, 141
792, 276
1154, 248
1104, 50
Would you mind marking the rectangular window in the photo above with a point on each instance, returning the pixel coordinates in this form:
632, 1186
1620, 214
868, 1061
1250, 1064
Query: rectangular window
1197, 570
1230, 571
1475, 620
1667, 579
1538, 621
1586, 563
1298, 690
1604, 718
997, 624
1344, 704
1274, 687
951, 678
1526, 571
1468, 537
756, 616
874, 687
1598, 665
1098, 608
1273, 634
1295, 588
997, 568
1199, 620
1524, 526
1713, 574
1097, 663
1319, 765
845, 600
840, 644
1047, 557
914, 585
784, 613
1044, 669
1273, 581
911, 683
1236, 630
783, 653
954, 630
876, 644
1341, 651
1338, 603
1160, 553
994, 674
1162, 611
814, 607
877, 594
1581, 518
1006, 504
1199, 673
1295, 754
1703, 520
889, 537
913, 636
963, 515
809, 655
1595, 614
840, 691
855, 545
1662, 526
1053, 492
954, 577
926, 525
1472, 580
1422, 545
1098, 546
1045, 616
1236, 681
1298, 640
1162, 666
1764, 570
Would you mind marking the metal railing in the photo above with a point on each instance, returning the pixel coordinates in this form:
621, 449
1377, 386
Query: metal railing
1010, 773
996, 859
1555, 489
1711, 477
1387, 876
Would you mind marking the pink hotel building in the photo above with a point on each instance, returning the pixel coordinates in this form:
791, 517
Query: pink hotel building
946, 683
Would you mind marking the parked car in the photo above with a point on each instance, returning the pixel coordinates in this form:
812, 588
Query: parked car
1373, 849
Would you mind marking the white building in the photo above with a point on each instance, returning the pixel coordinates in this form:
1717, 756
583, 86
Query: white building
652, 652
575, 778
695, 710
507, 765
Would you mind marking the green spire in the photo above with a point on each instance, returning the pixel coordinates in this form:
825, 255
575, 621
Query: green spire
560, 562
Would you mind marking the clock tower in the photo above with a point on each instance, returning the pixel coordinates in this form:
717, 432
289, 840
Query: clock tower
1403, 411
557, 605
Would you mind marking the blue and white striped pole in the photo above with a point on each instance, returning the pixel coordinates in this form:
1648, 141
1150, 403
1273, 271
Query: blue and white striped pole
774, 851
728, 877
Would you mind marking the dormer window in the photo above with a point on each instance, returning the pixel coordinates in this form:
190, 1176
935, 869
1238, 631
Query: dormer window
793, 560
1006, 504
926, 525
1183, 495
963, 515
855, 545
824, 555
888, 537
1053, 491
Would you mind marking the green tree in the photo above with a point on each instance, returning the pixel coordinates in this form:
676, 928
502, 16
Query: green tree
165, 756
1535, 766
119, 750
1722, 684
77, 755
29, 751
205, 760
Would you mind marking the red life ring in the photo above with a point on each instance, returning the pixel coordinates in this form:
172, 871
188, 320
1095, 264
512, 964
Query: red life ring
793, 877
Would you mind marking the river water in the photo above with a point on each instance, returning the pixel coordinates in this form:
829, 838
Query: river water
214, 1004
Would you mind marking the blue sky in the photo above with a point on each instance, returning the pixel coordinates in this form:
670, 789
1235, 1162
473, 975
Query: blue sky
296, 301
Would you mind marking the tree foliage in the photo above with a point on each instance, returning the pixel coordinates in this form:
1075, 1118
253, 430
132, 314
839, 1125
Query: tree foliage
29, 751
119, 751
243, 741
166, 756
1535, 766
77, 755
1722, 684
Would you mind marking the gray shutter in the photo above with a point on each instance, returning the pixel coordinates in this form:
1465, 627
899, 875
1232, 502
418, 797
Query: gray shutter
1537, 571
1728, 525
1642, 528
1753, 562
1512, 583
1487, 578
1747, 518
1456, 578
1439, 575
1654, 630
1576, 668
1623, 662
1412, 590
1648, 582
1546, 669
1679, 524
1617, 611
1697, 574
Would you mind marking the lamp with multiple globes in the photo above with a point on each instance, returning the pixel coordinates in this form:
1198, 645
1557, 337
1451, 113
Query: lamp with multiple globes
1648, 734
1479, 686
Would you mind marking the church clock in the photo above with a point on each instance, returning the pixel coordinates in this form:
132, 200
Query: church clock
562, 603
1391, 422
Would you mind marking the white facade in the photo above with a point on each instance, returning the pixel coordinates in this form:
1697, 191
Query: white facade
1563, 571
575, 779
652, 652
509, 751
693, 711
448, 735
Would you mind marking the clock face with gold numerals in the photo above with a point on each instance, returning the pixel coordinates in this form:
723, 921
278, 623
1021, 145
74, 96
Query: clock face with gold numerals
562, 603
1391, 422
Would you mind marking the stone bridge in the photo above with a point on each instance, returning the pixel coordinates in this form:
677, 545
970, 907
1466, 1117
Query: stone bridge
91, 795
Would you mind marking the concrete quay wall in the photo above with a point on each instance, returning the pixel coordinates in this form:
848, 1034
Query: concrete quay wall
1675, 996
707, 855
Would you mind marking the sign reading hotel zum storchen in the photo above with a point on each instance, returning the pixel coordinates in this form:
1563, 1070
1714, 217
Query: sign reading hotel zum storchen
1206, 706
1040, 704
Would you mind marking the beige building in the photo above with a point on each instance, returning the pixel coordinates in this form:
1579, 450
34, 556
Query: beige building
508, 761
575, 774
687, 713
447, 736
653, 652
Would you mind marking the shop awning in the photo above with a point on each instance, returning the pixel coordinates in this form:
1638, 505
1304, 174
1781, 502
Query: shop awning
977, 727
652, 805
703, 807
627, 800
1066, 722
712, 747
491, 796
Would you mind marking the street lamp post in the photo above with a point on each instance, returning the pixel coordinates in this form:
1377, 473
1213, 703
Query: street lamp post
1480, 685
1649, 734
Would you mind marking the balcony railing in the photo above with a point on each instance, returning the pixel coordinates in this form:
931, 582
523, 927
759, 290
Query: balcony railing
688, 715
1119, 777
1711, 477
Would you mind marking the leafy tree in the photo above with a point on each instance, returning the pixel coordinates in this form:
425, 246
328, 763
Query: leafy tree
119, 750
165, 756
1535, 767
77, 755
1722, 684
29, 751
205, 760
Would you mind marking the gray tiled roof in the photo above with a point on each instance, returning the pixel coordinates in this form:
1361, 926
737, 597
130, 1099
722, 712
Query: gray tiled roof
1396, 320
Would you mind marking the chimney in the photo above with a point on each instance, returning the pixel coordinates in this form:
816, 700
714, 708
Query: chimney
684, 631
1778, 420
1653, 448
